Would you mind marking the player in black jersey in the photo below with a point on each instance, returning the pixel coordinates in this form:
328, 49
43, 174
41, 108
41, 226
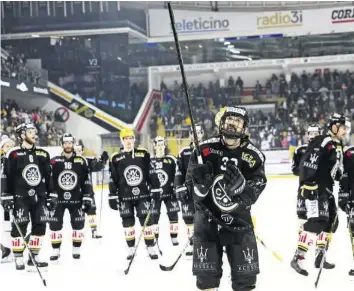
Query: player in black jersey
320, 166
94, 165
132, 182
165, 167
312, 131
224, 188
72, 183
346, 195
27, 190
182, 193
5, 245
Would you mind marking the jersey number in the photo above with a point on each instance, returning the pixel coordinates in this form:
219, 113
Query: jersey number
225, 160
158, 165
67, 165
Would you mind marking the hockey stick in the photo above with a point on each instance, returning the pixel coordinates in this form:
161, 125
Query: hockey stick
101, 199
126, 271
29, 252
275, 254
184, 81
171, 267
326, 249
158, 247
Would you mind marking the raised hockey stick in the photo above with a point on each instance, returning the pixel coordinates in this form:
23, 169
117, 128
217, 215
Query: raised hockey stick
326, 249
126, 271
171, 267
184, 81
29, 252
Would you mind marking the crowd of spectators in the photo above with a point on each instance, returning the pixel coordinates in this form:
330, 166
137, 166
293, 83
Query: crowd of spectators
303, 99
49, 128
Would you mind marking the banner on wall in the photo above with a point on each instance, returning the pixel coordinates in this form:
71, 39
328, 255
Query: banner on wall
24, 87
291, 22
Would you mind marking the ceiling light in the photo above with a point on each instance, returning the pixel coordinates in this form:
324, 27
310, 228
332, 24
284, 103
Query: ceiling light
200, 46
230, 46
227, 43
35, 35
186, 47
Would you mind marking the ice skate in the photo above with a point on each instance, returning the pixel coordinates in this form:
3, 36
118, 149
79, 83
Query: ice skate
6, 255
95, 234
31, 265
19, 262
174, 241
189, 250
130, 253
76, 253
319, 256
351, 272
55, 254
297, 264
151, 250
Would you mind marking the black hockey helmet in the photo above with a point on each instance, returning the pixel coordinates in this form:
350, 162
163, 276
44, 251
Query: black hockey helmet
23, 128
314, 130
337, 120
233, 131
67, 137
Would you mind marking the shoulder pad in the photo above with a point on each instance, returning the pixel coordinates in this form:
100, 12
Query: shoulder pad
300, 147
113, 155
42, 152
210, 140
80, 158
349, 149
14, 149
326, 141
251, 147
171, 157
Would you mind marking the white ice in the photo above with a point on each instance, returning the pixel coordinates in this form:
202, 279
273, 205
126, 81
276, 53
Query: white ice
103, 261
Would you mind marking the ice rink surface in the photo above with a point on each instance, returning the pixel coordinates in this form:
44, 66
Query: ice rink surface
103, 261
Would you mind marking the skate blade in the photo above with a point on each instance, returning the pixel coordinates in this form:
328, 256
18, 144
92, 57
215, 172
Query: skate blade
7, 260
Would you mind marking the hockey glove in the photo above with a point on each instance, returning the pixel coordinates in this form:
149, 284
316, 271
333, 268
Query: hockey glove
203, 178
234, 181
104, 157
51, 201
86, 202
113, 200
310, 191
7, 201
156, 193
182, 194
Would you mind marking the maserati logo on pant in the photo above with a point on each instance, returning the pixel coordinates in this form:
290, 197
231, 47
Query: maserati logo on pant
201, 260
251, 264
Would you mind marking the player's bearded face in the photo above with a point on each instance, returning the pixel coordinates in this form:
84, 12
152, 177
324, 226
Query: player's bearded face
160, 149
68, 147
31, 136
233, 125
128, 143
7, 146
342, 131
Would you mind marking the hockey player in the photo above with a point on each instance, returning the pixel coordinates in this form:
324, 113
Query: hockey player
72, 183
131, 176
224, 189
27, 190
165, 167
182, 189
346, 194
320, 166
312, 131
94, 165
5, 244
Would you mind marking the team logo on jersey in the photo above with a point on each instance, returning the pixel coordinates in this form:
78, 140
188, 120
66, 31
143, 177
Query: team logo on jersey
67, 195
31, 192
163, 177
136, 191
67, 180
133, 175
32, 175
220, 197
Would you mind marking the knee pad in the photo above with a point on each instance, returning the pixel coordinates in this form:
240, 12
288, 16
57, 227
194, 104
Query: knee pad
244, 283
78, 225
210, 282
316, 225
128, 221
55, 226
38, 229
15, 232
173, 217
188, 220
